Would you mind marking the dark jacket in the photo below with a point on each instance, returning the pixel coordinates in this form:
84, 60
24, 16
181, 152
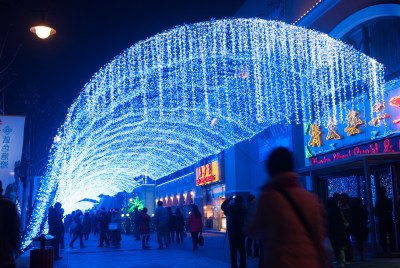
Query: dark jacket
104, 221
360, 221
87, 224
171, 223
179, 222
78, 223
9, 231
336, 226
236, 215
56, 225
144, 223
161, 216
384, 209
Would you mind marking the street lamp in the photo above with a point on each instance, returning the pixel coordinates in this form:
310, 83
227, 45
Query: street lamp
42, 30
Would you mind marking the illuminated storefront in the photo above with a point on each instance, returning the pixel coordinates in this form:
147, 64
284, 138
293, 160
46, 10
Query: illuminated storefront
208, 178
358, 156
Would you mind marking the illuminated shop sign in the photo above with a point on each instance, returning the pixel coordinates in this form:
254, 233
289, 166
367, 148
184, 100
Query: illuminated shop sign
384, 146
353, 126
207, 174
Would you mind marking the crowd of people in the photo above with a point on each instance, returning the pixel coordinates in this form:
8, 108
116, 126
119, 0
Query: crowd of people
288, 226
171, 225
105, 224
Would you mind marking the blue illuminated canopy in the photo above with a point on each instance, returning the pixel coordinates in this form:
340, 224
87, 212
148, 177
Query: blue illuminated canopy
190, 92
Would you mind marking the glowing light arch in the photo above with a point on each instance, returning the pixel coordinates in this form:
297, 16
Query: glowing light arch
190, 92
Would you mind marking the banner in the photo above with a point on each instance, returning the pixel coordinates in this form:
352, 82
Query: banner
11, 142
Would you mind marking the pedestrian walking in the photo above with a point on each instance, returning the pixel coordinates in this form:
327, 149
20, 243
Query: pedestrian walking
236, 215
93, 223
87, 225
104, 220
56, 228
145, 228
78, 230
384, 211
171, 230
195, 225
179, 225
71, 224
115, 228
9, 230
161, 219
136, 222
360, 229
252, 246
289, 220
344, 205
336, 230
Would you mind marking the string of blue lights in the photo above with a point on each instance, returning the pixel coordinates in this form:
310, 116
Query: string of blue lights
189, 93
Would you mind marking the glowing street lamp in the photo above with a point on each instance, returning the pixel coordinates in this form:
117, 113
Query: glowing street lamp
42, 30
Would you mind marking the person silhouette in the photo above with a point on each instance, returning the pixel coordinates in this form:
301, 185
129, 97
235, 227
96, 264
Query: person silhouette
9, 230
289, 220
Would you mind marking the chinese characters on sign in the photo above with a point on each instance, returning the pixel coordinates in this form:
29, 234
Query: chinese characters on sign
5, 146
380, 116
332, 134
315, 133
11, 142
207, 174
354, 123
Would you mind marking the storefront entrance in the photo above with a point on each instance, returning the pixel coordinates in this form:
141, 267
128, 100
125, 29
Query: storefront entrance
362, 177
212, 198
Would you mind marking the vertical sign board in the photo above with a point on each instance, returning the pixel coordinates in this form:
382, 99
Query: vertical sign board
11, 141
207, 174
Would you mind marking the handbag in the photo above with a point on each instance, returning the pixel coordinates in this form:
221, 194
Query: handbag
327, 245
201, 240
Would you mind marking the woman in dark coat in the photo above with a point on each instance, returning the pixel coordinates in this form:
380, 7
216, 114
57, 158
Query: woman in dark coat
179, 224
337, 230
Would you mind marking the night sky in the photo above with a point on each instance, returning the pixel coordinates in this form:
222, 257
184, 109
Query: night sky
47, 75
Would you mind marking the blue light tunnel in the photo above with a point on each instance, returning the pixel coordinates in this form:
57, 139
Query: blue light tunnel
190, 92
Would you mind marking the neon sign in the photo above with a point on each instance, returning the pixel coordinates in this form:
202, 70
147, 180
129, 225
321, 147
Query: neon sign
377, 108
354, 123
207, 174
384, 146
395, 101
315, 133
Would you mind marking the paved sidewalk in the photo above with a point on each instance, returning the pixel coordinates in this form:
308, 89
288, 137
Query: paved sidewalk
131, 255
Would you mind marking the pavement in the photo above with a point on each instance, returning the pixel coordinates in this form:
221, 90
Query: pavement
214, 253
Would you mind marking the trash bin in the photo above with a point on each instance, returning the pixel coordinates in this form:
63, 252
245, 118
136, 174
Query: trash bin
43, 257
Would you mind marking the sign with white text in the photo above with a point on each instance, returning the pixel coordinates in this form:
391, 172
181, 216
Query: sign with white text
11, 142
